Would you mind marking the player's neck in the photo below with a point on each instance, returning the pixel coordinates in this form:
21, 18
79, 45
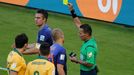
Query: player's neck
21, 50
42, 25
59, 42
88, 38
44, 56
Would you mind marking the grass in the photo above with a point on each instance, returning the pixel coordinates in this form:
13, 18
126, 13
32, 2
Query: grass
115, 43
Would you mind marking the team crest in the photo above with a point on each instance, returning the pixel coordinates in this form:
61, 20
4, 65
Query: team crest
90, 54
13, 65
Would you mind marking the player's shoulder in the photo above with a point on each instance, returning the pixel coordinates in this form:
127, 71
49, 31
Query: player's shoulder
61, 49
13, 55
58, 48
92, 41
46, 28
55, 48
49, 64
91, 44
10, 56
45, 32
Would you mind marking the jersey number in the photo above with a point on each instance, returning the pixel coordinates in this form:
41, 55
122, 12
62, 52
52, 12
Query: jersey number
36, 73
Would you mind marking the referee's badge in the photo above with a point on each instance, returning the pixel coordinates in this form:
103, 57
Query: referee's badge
13, 65
42, 37
90, 54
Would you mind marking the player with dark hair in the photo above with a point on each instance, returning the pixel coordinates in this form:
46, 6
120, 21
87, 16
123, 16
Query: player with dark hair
15, 61
44, 33
88, 50
41, 65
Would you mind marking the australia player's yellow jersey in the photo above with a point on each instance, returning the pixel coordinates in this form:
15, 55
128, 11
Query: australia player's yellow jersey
40, 66
16, 62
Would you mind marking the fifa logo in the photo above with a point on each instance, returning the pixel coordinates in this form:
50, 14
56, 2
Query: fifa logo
109, 4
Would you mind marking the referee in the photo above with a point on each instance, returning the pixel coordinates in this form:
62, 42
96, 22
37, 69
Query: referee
88, 50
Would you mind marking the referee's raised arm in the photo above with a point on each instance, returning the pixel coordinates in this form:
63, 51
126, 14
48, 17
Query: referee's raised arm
74, 16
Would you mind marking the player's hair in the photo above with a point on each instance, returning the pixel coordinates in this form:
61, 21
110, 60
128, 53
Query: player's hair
21, 40
57, 33
44, 49
86, 28
43, 12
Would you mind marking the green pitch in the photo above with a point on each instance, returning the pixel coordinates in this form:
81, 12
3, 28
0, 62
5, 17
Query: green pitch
115, 43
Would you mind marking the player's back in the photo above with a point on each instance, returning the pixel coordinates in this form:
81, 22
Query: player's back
59, 56
40, 66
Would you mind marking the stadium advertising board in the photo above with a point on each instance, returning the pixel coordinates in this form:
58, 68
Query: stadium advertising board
118, 11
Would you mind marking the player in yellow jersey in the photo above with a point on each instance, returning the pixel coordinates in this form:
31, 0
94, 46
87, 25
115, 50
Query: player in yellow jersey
15, 61
41, 65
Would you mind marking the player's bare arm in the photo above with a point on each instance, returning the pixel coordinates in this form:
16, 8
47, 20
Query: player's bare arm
30, 46
13, 73
60, 69
32, 49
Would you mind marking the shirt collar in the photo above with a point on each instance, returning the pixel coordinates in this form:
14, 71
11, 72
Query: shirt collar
89, 40
15, 50
45, 26
42, 57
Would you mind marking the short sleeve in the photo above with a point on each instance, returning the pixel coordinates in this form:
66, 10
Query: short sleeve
90, 55
61, 58
42, 36
16, 65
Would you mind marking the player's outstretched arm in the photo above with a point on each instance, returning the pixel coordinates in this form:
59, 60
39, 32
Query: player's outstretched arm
75, 17
31, 51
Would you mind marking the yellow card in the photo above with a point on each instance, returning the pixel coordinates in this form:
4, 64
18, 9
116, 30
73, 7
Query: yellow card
65, 2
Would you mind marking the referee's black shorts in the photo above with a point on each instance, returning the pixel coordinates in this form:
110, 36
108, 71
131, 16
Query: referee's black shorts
92, 72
